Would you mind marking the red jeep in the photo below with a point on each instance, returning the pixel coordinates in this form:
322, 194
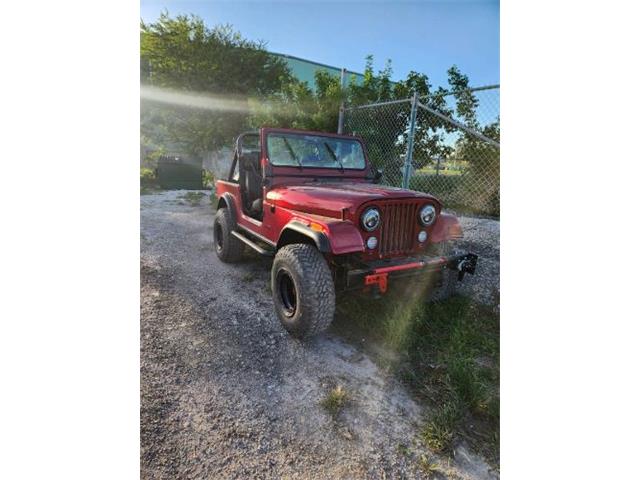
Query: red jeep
311, 200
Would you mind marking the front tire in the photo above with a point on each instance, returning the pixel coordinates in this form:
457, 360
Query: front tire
303, 290
227, 247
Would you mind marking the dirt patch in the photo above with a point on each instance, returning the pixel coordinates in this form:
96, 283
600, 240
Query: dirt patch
226, 393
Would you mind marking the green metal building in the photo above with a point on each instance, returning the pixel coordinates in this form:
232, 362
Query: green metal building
305, 70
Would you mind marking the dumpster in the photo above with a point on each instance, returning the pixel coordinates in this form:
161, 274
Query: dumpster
180, 172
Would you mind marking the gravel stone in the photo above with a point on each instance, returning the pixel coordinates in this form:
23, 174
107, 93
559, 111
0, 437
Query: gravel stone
482, 237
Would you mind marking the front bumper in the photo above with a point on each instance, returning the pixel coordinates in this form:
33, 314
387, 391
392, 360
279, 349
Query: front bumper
380, 274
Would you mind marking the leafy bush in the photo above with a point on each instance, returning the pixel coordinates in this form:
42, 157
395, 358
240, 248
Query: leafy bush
147, 177
208, 179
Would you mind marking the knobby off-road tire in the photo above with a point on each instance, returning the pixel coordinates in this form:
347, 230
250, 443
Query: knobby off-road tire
303, 290
227, 247
448, 284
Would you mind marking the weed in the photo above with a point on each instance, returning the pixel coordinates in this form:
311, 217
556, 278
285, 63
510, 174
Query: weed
208, 179
335, 400
464, 378
147, 177
403, 449
427, 466
193, 198
439, 430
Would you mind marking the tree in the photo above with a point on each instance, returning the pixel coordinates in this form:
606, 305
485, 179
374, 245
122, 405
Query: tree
466, 101
183, 54
482, 180
430, 131
298, 106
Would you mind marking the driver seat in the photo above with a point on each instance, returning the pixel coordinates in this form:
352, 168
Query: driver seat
251, 182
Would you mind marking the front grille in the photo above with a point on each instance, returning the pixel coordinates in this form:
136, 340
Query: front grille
398, 227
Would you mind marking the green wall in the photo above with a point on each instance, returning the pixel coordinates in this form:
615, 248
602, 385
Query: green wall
305, 70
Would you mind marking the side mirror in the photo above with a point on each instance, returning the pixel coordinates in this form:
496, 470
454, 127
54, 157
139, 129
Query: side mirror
377, 175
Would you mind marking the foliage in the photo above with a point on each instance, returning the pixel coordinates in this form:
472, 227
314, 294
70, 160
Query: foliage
429, 138
466, 101
439, 430
483, 158
427, 465
181, 53
335, 400
151, 157
147, 177
193, 198
208, 180
185, 55
298, 106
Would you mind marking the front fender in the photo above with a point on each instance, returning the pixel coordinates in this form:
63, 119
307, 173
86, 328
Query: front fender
345, 237
296, 228
447, 227
336, 237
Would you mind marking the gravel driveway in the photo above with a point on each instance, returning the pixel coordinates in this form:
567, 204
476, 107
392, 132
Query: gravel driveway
482, 237
226, 393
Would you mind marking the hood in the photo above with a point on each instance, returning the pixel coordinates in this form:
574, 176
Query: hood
330, 199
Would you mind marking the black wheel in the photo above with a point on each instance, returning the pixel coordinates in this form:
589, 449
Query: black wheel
447, 284
227, 247
303, 291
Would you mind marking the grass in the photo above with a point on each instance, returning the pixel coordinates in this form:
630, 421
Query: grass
403, 449
148, 190
427, 466
439, 430
335, 400
464, 193
193, 198
446, 353
433, 171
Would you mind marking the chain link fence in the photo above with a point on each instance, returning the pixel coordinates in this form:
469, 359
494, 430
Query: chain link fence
445, 145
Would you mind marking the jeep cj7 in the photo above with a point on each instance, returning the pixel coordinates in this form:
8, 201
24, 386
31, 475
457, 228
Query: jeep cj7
312, 201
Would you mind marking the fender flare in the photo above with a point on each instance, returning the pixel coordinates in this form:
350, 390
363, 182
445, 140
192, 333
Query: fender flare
226, 201
319, 239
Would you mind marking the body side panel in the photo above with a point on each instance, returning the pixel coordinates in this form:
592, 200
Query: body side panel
447, 227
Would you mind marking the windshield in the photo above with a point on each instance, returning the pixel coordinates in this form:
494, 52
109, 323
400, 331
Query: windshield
315, 151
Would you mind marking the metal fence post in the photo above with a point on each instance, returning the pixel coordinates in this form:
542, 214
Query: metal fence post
412, 131
343, 75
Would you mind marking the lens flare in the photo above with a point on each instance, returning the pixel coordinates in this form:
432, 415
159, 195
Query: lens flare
217, 103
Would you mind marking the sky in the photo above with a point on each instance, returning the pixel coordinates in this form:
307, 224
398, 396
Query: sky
425, 36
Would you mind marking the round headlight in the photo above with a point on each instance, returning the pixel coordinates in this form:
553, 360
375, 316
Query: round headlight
372, 243
370, 219
427, 215
422, 236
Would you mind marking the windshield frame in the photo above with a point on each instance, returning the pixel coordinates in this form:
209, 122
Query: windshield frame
303, 133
